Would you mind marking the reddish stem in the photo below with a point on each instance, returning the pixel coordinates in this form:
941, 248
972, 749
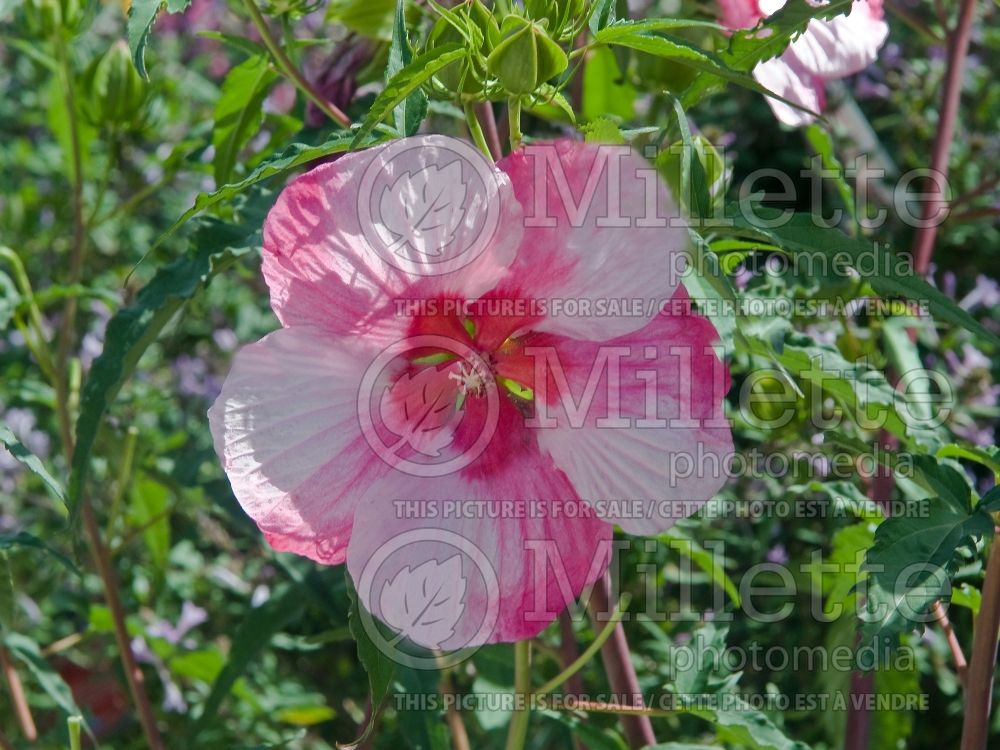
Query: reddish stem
21, 707
979, 685
958, 47
621, 673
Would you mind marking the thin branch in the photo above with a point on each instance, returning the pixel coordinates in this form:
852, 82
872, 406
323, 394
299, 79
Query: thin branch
958, 48
488, 122
17, 698
621, 673
949, 633
287, 67
136, 680
982, 665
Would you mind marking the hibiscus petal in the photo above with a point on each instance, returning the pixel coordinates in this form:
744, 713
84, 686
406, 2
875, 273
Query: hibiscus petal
286, 430
654, 429
527, 547
786, 77
843, 45
600, 226
429, 225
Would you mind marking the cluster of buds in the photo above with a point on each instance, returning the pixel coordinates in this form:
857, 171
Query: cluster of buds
511, 53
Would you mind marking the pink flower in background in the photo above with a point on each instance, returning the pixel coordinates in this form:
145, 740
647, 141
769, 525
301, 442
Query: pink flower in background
335, 432
826, 51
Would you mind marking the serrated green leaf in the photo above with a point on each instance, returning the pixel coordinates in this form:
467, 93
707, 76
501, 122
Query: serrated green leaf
799, 235
684, 53
253, 635
909, 568
379, 667
24, 456
141, 15
239, 112
132, 329
747, 728
294, 156
411, 112
411, 77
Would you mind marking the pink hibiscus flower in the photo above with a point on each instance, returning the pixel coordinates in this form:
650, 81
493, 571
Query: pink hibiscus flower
480, 370
825, 51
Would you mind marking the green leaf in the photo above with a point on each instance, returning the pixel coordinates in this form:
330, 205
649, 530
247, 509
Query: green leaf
910, 566
24, 539
420, 70
149, 512
141, 15
378, 666
411, 112
132, 329
863, 392
239, 112
747, 728
605, 91
589, 735
369, 18
294, 156
54, 686
684, 53
821, 140
252, 636
704, 559
694, 191
32, 462
423, 727
800, 236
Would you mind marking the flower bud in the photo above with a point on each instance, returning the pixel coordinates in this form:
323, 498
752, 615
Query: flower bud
558, 13
115, 90
481, 32
526, 56
48, 17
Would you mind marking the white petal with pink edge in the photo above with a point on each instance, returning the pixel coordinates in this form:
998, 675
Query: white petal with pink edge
843, 45
405, 220
600, 229
786, 77
286, 430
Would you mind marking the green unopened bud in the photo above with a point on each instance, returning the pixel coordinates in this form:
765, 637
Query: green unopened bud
48, 17
115, 90
526, 56
558, 13
479, 32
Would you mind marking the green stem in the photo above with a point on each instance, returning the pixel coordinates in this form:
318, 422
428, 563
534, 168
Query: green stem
287, 67
476, 130
73, 724
514, 120
77, 250
517, 732
588, 654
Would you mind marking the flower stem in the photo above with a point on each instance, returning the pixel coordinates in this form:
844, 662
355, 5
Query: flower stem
287, 67
517, 732
488, 121
982, 663
958, 48
514, 121
589, 652
476, 130
621, 672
